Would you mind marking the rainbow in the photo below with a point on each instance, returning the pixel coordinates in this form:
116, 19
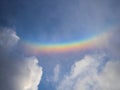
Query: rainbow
85, 44
64, 47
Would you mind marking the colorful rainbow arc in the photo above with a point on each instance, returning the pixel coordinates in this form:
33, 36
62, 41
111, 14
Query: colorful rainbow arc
66, 47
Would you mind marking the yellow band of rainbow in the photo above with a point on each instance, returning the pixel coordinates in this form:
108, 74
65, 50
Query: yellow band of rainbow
91, 42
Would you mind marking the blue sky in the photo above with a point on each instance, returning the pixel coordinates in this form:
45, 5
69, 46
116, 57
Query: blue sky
56, 22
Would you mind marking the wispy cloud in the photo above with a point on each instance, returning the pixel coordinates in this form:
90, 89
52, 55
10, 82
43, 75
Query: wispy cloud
56, 73
8, 38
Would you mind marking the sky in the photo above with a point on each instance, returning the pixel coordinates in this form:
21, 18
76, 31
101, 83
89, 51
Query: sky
59, 44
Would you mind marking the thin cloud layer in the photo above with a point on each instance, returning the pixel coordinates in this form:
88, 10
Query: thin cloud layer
17, 72
114, 43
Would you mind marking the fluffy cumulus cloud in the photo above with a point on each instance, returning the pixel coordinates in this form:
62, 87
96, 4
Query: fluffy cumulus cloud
29, 75
17, 72
109, 79
91, 74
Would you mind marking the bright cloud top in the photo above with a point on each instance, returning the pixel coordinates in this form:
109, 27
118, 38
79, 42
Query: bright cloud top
85, 75
29, 76
17, 71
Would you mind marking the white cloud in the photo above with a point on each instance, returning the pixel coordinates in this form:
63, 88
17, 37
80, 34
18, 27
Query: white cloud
8, 38
109, 79
29, 75
17, 72
80, 71
56, 73
84, 75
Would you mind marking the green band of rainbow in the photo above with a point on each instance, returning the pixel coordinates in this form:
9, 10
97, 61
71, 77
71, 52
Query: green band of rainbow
66, 47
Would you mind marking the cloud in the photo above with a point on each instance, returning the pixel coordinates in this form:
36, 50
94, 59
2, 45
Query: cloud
8, 38
80, 71
29, 75
17, 72
114, 42
56, 73
109, 79
86, 75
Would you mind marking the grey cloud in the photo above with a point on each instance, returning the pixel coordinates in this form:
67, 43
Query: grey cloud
17, 72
